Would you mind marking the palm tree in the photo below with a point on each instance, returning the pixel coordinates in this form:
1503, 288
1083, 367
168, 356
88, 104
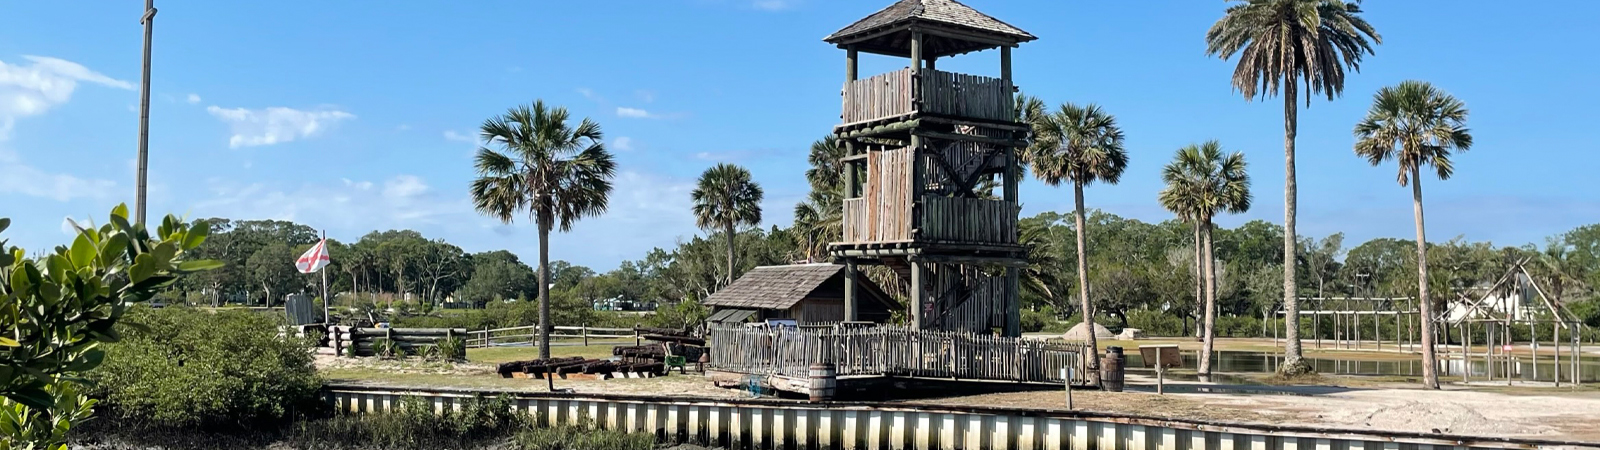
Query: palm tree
1281, 44
1202, 181
1039, 276
1416, 125
1078, 145
558, 173
724, 199
820, 217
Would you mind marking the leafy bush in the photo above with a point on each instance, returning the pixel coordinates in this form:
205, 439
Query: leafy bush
1155, 323
190, 368
452, 348
684, 314
1238, 326
385, 348
60, 307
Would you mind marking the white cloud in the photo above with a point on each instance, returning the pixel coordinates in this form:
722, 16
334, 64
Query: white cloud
634, 113
275, 125
33, 89
589, 94
24, 179
623, 143
454, 136
403, 201
404, 186
645, 95
193, 99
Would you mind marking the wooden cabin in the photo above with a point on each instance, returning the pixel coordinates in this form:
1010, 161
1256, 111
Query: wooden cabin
806, 293
921, 143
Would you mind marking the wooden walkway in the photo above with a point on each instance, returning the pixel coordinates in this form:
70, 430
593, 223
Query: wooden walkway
895, 351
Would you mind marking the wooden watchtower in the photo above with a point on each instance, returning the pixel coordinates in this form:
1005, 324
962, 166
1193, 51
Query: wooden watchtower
924, 150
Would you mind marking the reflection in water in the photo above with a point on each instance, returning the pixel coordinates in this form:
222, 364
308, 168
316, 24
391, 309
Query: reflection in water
1522, 368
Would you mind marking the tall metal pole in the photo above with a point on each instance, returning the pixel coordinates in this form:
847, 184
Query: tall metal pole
148, 20
326, 318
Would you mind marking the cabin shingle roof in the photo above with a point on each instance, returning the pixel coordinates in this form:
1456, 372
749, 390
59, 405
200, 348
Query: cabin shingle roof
949, 12
774, 287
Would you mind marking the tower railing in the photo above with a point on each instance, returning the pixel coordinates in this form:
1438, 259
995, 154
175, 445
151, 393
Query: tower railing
905, 91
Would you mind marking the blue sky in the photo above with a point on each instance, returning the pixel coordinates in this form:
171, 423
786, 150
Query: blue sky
354, 116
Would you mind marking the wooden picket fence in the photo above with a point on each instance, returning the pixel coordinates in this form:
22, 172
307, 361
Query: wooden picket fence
529, 335
895, 351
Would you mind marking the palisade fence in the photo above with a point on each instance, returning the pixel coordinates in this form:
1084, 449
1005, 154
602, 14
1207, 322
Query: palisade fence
529, 336
895, 351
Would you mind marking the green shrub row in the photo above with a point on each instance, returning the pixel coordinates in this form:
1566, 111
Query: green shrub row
185, 367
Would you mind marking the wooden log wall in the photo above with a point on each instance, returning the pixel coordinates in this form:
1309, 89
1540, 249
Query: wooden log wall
895, 351
968, 220
903, 92
341, 337
962, 95
885, 95
882, 213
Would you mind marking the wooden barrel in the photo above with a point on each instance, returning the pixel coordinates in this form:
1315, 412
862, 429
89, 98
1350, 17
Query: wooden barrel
824, 381
1111, 369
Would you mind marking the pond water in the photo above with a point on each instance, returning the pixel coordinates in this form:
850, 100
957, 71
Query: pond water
1521, 368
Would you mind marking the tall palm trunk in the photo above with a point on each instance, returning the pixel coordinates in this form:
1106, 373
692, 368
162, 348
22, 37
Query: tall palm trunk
1083, 286
1210, 270
729, 229
545, 222
1199, 282
1292, 362
1430, 375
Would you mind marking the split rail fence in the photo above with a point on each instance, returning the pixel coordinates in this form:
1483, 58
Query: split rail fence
896, 351
529, 336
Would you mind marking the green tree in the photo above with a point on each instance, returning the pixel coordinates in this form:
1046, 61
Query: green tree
1281, 44
271, 268
61, 308
556, 172
1416, 125
724, 199
497, 276
1201, 182
1078, 145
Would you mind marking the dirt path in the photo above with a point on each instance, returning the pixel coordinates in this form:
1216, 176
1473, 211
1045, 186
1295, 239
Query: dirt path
1352, 402
1532, 413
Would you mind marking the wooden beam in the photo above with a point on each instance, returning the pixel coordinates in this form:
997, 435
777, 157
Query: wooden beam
879, 129
853, 158
1001, 261
953, 121
967, 138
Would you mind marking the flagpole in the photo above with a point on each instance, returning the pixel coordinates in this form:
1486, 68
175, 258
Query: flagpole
326, 318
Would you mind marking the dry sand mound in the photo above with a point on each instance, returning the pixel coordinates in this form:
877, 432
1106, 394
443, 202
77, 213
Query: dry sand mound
1077, 333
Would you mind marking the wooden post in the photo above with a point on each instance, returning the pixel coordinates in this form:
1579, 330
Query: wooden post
584, 330
931, 60
850, 291
916, 295
1466, 349
1555, 341
852, 63
1005, 63
852, 180
338, 342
